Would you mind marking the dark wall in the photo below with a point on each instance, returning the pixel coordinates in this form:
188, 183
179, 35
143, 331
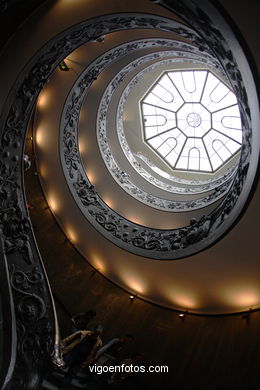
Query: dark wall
202, 352
13, 13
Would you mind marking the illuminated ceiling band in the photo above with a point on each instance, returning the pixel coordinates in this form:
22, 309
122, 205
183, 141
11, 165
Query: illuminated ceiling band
191, 120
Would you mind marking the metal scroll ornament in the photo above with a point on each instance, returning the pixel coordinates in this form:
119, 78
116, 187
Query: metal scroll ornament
136, 238
33, 317
153, 243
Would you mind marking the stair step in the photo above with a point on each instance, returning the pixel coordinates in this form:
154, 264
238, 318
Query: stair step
46, 385
54, 381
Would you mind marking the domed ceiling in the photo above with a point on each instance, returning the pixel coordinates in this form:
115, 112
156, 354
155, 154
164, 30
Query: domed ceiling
139, 150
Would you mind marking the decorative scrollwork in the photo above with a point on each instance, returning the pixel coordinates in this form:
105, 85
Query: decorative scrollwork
51, 55
218, 188
34, 315
34, 325
173, 244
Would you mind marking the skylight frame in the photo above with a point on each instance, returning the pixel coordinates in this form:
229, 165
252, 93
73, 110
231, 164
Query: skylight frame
220, 102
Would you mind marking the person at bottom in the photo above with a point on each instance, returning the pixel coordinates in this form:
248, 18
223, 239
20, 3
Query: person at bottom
81, 320
109, 352
79, 349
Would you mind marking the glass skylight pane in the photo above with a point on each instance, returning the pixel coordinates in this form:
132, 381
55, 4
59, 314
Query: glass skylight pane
200, 81
224, 153
221, 137
231, 122
194, 153
232, 146
210, 136
195, 113
150, 132
154, 120
155, 142
165, 82
189, 82
164, 149
151, 99
182, 163
149, 110
194, 164
215, 161
171, 142
180, 142
192, 92
156, 117
213, 100
171, 158
163, 94
211, 83
218, 93
205, 165
228, 122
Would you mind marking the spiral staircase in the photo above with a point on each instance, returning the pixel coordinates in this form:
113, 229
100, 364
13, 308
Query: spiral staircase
101, 97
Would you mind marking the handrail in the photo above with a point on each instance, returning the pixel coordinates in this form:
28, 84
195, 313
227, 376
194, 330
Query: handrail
9, 324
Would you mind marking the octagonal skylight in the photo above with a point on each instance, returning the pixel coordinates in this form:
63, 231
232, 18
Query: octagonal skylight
191, 120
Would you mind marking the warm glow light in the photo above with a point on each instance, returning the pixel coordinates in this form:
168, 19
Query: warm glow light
74, 57
135, 219
243, 297
42, 100
132, 298
90, 176
53, 203
82, 115
43, 171
98, 264
133, 283
95, 81
70, 233
81, 147
183, 300
108, 202
39, 137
